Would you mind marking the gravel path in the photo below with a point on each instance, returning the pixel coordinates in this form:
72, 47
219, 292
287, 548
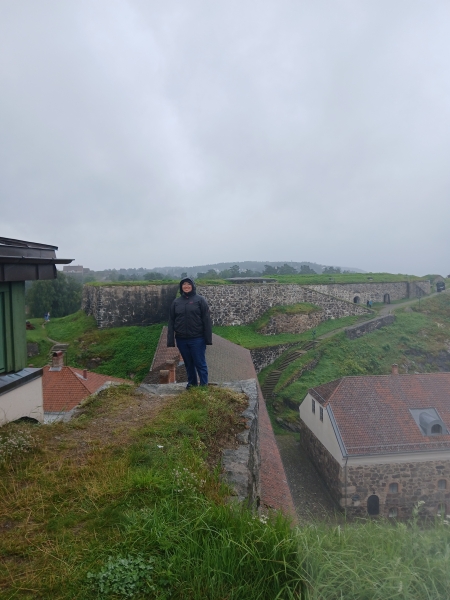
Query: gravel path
311, 499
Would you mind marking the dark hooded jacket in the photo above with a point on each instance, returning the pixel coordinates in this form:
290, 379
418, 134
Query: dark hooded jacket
189, 317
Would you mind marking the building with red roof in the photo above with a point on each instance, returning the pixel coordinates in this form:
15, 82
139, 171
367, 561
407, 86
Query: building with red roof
64, 388
382, 443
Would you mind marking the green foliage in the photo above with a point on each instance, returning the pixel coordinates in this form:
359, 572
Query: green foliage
153, 276
416, 341
248, 336
125, 352
60, 296
123, 577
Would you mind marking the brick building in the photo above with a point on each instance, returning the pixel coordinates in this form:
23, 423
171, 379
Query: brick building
382, 443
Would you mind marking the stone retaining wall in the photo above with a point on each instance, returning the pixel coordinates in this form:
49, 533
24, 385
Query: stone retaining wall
237, 304
365, 291
241, 304
114, 306
293, 323
263, 357
357, 331
327, 465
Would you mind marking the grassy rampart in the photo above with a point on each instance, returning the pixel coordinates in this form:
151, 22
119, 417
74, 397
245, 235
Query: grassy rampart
126, 502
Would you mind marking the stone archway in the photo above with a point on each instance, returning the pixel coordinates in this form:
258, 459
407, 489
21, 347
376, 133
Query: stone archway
387, 298
373, 505
356, 300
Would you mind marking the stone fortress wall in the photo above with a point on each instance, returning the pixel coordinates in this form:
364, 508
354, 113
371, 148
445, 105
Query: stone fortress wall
238, 304
376, 292
119, 305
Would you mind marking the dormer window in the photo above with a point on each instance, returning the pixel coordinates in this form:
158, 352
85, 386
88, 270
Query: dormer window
429, 421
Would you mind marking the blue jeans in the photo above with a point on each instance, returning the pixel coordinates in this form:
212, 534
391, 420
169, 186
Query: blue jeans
193, 351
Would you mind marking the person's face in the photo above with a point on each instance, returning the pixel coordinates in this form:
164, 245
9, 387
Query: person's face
186, 287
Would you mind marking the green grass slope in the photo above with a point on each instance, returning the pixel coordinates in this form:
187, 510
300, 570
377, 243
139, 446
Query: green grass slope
125, 352
126, 501
418, 341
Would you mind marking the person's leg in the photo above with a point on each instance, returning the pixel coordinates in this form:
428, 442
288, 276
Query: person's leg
198, 349
186, 355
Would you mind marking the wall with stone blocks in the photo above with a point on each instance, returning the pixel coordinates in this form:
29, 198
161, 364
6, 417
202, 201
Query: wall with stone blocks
115, 306
238, 304
327, 465
263, 357
417, 482
294, 323
241, 304
365, 291
357, 331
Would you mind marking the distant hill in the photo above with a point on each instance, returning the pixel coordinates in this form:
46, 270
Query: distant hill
252, 265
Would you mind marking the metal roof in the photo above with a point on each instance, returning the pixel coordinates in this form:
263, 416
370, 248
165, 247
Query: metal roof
25, 261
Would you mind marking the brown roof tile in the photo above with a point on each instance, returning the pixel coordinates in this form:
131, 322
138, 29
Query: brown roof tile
65, 389
373, 413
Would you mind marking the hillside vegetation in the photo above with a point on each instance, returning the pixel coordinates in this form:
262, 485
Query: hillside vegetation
126, 501
418, 341
125, 352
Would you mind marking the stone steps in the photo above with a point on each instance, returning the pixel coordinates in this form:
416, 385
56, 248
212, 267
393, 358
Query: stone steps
274, 376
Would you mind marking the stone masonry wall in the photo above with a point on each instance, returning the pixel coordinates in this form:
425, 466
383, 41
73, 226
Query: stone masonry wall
366, 291
326, 464
241, 304
357, 331
417, 481
114, 306
285, 323
262, 357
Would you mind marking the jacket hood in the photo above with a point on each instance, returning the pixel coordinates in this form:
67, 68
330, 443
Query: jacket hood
191, 281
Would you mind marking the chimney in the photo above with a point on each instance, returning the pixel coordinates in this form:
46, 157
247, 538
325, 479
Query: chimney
171, 365
164, 376
84, 373
57, 361
394, 369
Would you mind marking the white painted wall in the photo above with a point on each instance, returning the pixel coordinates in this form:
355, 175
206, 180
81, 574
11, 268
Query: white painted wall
24, 401
323, 430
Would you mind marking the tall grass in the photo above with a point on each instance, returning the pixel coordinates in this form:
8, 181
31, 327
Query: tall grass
124, 503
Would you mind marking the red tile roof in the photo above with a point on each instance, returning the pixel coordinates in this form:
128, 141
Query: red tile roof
373, 413
65, 389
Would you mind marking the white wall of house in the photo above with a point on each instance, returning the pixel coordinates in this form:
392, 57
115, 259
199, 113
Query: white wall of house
25, 400
323, 430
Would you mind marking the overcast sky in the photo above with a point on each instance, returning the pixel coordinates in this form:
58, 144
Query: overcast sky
142, 133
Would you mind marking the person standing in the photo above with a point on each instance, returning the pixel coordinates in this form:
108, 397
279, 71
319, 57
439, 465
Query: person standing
191, 329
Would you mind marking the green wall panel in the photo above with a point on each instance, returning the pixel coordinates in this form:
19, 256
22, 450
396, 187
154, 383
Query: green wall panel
13, 332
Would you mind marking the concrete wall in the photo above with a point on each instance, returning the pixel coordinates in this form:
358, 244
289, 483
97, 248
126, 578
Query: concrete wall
357, 331
241, 304
114, 306
25, 400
